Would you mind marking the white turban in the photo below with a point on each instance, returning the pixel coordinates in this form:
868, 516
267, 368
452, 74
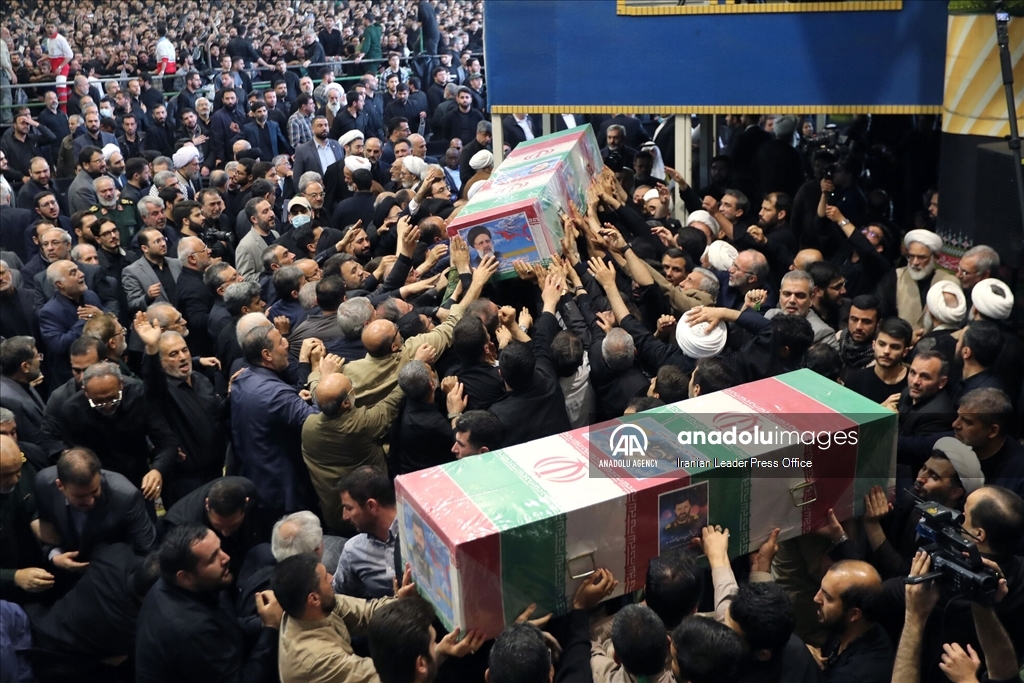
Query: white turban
705, 218
925, 237
721, 254
354, 163
350, 136
964, 460
414, 165
481, 160
108, 150
992, 298
334, 86
940, 310
697, 341
650, 194
184, 156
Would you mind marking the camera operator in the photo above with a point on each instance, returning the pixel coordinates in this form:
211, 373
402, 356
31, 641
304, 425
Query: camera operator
994, 520
958, 663
950, 474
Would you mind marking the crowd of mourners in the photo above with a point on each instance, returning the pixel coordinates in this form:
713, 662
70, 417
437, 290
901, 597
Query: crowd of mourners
231, 314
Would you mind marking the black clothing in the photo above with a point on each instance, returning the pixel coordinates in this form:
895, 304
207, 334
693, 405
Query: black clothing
357, 207
482, 384
1006, 467
184, 636
793, 665
929, 416
119, 440
192, 510
18, 545
468, 150
96, 619
420, 438
543, 400
868, 659
18, 313
198, 417
866, 383
952, 621
194, 302
461, 125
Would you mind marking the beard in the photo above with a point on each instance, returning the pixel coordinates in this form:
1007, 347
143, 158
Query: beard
334, 107
922, 272
107, 204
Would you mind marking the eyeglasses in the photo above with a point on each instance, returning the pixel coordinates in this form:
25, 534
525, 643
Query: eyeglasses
961, 271
316, 195
106, 404
736, 269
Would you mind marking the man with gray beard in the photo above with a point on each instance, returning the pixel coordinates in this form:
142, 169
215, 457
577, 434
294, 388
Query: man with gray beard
188, 401
903, 292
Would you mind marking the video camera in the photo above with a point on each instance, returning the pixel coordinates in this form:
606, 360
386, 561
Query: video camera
956, 562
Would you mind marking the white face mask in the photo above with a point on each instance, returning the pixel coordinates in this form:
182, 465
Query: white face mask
108, 113
300, 220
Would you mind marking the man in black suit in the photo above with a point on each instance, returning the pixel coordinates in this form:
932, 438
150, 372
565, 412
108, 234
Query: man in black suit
744, 146
21, 562
96, 620
121, 426
228, 506
183, 634
481, 381
635, 135
82, 507
926, 410
532, 381
17, 306
515, 127
423, 436
19, 365
193, 299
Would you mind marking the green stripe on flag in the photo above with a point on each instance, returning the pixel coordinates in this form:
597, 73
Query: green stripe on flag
832, 394
532, 534
876, 443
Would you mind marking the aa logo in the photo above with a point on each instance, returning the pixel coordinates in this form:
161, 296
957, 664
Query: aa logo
628, 441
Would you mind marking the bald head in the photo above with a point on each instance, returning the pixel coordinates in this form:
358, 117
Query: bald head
856, 573
806, 257
846, 590
10, 464
333, 395
10, 454
381, 338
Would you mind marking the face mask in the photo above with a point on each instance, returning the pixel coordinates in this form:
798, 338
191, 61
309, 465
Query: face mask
300, 220
108, 113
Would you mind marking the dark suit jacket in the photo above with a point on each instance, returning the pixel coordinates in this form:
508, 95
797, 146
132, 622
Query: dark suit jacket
307, 159
933, 415
538, 410
26, 404
125, 441
635, 133
23, 299
482, 385
59, 327
194, 301
513, 132
14, 222
278, 142
357, 207
221, 135
94, 279
96, 619
119, 515
744, 147
421, 438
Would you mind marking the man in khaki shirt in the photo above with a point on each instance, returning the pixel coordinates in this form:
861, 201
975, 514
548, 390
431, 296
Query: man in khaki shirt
375, 376
341, 438
315, 645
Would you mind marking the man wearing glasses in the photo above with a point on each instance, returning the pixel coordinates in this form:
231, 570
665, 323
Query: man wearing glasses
977, 264
113, 418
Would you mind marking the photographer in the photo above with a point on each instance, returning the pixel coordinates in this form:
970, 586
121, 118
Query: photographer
958, 663
950, 474
994, 520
